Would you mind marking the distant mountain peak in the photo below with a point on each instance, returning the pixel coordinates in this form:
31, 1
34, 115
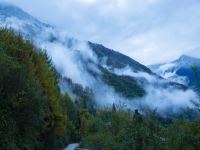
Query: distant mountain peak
6, 4
186, 57
10, 10
178, 70
15, 18
187, 61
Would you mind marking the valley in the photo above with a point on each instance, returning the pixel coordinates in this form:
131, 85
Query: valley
56, 90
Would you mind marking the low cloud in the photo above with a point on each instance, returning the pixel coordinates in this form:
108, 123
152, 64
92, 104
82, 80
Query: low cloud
159, 96
75, 60
140, 29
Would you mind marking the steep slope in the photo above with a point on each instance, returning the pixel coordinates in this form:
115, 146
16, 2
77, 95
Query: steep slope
17, 19
33, 113
7, 10
93, 72
183, 70
47, 37
117, 60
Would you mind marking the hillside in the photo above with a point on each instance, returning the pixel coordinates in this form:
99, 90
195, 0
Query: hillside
94, 70
184, 70
33, 114
116, 59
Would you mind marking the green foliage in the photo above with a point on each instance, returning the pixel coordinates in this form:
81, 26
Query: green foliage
32, 115
72, 112
184, 135
125, 85
122, 130
85, 96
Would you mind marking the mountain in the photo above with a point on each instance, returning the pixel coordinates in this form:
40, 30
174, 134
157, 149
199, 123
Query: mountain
116, 59
45, 35
15, 18
33, 113
183, 70
91, 73
39, 67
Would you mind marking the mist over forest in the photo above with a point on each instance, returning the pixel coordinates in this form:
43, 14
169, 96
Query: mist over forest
60, 90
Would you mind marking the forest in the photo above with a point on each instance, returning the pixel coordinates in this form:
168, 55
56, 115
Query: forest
34, 115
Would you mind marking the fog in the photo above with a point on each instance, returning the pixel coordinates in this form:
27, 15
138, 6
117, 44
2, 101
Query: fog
159, 97
75, 60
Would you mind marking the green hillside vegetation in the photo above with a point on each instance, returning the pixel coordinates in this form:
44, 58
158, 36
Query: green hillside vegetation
122, 130
117, 60
35, 116
125, 85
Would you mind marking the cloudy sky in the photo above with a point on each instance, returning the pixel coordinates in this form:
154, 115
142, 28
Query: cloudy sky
150, 31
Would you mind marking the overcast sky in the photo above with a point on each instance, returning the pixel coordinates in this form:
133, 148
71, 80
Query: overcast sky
149, 31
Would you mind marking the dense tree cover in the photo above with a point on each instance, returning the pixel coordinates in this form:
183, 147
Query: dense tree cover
34, 115
122, 130
119, 129
125, 85
84, 96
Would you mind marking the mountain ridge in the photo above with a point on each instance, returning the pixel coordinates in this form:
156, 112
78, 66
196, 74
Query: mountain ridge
178, 70
10, 10
89, 70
